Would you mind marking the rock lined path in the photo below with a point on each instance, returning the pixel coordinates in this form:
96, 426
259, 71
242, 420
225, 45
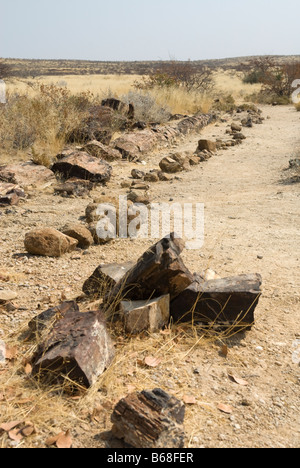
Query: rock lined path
252, 223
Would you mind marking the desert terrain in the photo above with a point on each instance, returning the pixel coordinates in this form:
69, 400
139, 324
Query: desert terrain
252, 224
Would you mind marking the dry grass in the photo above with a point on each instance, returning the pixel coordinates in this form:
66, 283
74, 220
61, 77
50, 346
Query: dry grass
86, 413
231, 83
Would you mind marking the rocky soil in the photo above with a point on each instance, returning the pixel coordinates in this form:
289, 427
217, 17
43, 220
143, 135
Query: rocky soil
252, 222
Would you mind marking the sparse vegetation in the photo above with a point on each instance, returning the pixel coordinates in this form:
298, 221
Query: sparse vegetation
146, 107
42, 119
179, 74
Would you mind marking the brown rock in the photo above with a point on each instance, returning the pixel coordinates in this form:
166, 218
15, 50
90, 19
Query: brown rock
149, 316
158, 272
81, 233
207, 145
136, 174
74, 187
239, 136
164, 177
98, 150
97, 125
151, 177
104, 278
47, 318
137, 198
48, 242
228, 300
150, 419
137, 185
78, 347
83, 166
6, 296
235, 127
170, 165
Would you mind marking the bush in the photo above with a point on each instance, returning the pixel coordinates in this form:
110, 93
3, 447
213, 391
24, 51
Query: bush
4, 70
264, 97
225, 104
146, 107
276, 78
253, 77
44, 118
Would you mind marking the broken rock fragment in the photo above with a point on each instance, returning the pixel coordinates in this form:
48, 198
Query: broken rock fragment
150, 315
78, 347
26, 174
47, 318
104, 278
207, 145
149, 419
225, 301
159, 271
80, 233
83, 166
99, 150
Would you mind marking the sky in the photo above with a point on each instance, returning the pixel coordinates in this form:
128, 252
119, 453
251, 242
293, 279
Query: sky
129, 30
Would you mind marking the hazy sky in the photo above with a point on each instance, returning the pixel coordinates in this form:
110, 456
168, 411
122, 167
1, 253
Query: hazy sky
148, 29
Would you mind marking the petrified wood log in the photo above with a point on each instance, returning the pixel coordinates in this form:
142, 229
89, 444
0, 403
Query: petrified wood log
104, 278
52, 315
78, 346
159, 271
231, 300
150, 419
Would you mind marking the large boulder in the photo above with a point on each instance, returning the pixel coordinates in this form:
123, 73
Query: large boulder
83, 166
48, 242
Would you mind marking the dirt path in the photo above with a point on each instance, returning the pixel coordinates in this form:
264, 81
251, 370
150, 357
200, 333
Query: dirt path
252, 225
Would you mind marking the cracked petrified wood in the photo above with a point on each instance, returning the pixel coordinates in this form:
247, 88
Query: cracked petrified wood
149, 419
227, 300
159, 271
78, 346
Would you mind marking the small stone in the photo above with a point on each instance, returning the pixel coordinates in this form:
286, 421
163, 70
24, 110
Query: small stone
7, 296
80, 233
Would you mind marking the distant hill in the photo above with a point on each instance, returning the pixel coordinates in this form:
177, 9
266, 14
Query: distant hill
25, 68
